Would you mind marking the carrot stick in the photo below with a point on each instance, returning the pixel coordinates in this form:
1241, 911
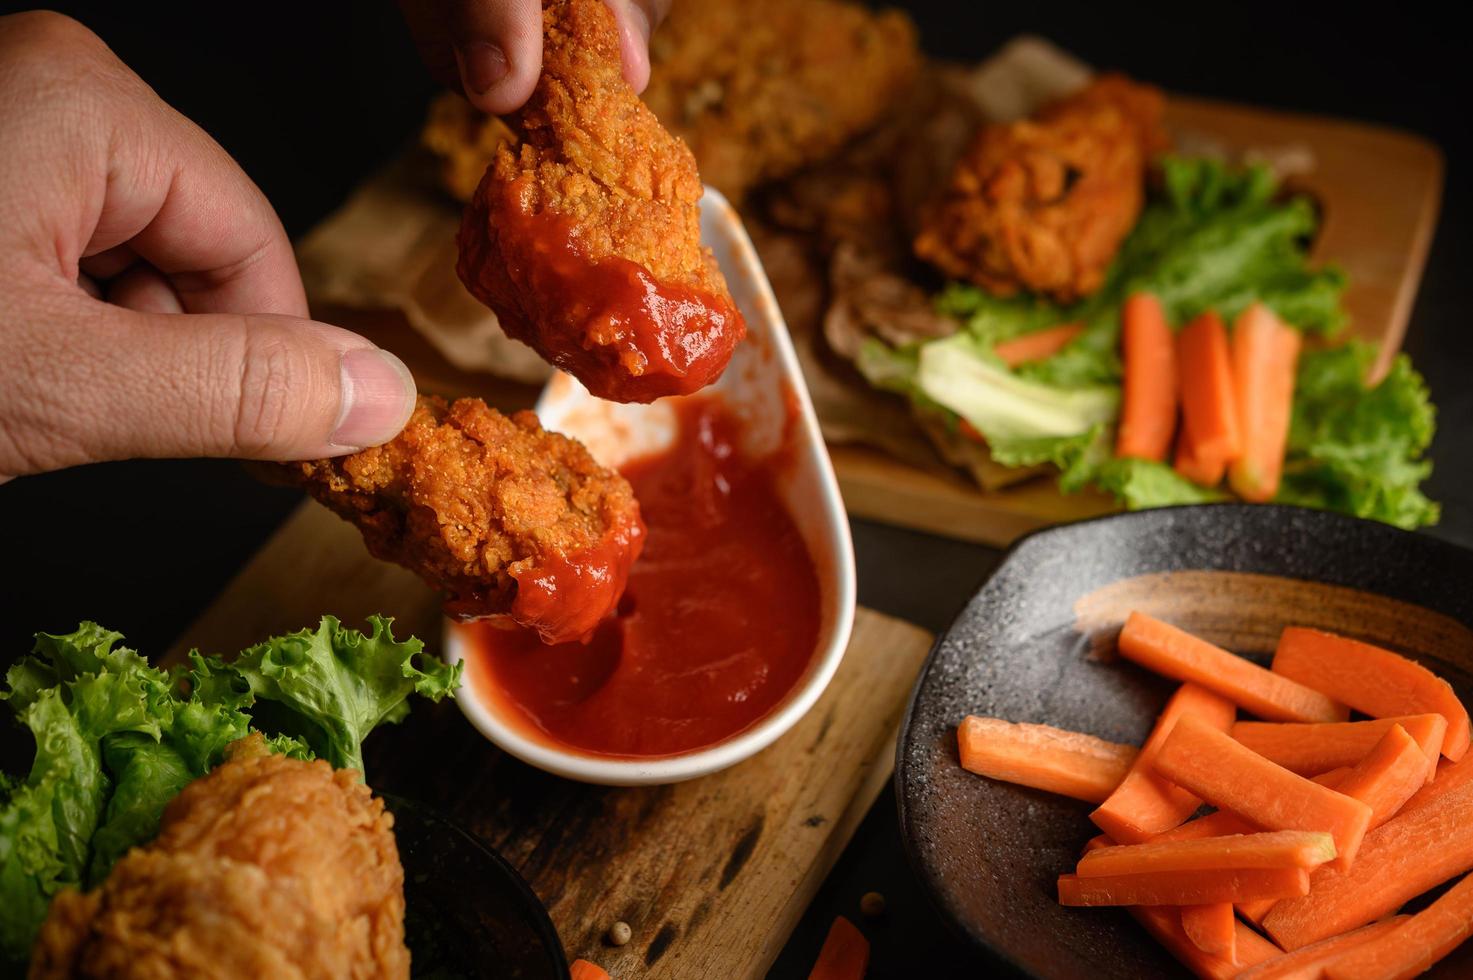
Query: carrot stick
1202, 470
1212, 928
1265, 351
1144, 804
1399, 860
1389, 775
1148, 408
584, 970
1096, 842
1232, 777
845, 953
1177, 654
1183, 887
1415, 945
1219, 824
1451, 776
1273, 849
1370, 679
1308, 963
1164, 923
1037, 345
1208, 400
1047, 758
1313, 749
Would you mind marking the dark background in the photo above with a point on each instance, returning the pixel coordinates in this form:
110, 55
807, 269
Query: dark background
312, 96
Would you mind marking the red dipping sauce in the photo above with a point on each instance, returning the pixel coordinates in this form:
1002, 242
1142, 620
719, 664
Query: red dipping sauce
628, 336
719, 621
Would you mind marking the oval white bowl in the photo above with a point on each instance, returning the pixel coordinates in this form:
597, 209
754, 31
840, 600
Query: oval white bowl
764, 386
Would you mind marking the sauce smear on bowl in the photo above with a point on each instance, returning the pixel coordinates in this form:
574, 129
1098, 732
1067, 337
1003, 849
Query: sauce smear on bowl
718, 623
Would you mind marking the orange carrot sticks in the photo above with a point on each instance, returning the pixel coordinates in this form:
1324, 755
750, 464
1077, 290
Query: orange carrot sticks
1164, 923
1370, 679
1176, 653
584, 970
1205, 471
1148, 408
1416, 944
1208, 398
1410, 853
845, 953
1272, 849
1265, 352
1312, 749
1219, 824
1308, 963
1047, 758
1183, 887
1212, 928
1037, 345
1232, 777
1144, 804
1451, 776
1389, 775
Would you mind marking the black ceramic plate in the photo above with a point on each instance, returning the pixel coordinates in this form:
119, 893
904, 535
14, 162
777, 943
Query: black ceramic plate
468, 913
988, 852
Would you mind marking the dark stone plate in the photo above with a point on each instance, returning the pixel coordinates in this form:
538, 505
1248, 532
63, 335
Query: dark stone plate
468, 913
1036, 645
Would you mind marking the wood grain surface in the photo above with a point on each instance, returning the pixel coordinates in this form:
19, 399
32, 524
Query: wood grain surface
711, 874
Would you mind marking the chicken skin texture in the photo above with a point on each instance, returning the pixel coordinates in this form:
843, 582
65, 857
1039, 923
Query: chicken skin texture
266, 867
584, 237
500, 515
1042, 205
760, 89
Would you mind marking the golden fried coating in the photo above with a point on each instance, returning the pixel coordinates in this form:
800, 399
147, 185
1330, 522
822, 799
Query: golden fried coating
585, 238
464, 139
266, 867
760, 89
1042, 205
500, 515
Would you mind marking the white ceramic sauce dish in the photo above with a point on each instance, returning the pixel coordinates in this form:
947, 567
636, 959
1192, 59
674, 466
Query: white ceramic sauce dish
764, 386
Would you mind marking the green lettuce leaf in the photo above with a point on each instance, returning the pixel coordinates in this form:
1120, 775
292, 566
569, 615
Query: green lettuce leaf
1359, 449
1088, 459
338, 684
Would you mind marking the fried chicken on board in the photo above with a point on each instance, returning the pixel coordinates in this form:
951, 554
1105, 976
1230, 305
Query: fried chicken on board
585, 237
760, 89
266, 867
500, 515
1042, 205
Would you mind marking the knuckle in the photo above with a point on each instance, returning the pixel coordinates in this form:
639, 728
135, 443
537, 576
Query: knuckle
272, 369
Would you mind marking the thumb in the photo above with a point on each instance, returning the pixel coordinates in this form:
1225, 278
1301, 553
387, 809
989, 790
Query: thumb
257, 387
173, 385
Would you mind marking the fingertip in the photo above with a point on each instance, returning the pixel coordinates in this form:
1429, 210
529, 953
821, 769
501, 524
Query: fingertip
378, 396
634, 43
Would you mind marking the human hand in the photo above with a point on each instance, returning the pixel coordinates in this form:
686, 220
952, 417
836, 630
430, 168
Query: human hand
150, 304
492, 49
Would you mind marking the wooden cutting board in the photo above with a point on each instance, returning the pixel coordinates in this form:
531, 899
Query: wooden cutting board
1378, 190
711, 874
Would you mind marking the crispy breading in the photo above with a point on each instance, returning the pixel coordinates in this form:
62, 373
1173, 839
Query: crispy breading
1042, 205
760, 89
585, 238
266, 867
494, 511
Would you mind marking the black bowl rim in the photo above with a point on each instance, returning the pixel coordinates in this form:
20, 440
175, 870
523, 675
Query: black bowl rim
542, 922
1257, 512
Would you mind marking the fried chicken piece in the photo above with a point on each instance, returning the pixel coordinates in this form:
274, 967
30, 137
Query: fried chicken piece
1043, 204
760, 89
498, 514
464, 139
266, 867
585, 239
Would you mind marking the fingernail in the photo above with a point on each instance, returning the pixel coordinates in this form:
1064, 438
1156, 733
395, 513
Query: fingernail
378, 398
482, 65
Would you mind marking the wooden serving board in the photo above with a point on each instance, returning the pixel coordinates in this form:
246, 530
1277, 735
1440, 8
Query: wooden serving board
711, 874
